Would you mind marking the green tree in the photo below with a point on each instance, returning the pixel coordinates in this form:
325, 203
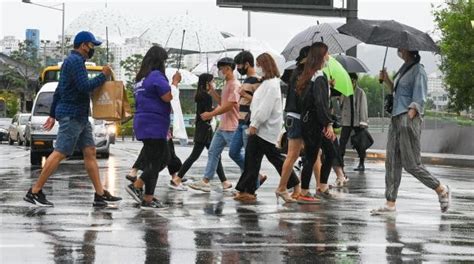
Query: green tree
100, 56
373, 91
131, 65
11, 101
453, 20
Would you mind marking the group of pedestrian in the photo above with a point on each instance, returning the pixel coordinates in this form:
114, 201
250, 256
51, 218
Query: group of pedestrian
251, 118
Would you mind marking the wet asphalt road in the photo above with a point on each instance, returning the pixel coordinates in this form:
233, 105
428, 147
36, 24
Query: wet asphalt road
213, 228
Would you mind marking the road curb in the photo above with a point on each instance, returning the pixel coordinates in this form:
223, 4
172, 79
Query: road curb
427, 158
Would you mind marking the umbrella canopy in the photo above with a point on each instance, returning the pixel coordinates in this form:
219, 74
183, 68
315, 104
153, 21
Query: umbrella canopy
199, 36
188, 78
327, 33
389, 33
119, 26
351, 64
335, 71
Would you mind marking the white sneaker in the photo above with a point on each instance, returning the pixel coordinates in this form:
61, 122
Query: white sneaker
201, 186
175, 187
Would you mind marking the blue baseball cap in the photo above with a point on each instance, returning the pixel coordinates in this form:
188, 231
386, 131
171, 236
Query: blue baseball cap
86, 36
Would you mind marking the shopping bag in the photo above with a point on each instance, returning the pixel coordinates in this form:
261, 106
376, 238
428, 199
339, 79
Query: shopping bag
107, 101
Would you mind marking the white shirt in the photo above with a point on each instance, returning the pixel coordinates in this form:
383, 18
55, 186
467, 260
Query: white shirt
266, 110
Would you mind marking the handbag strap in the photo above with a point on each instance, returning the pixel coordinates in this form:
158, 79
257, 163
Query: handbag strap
402, 73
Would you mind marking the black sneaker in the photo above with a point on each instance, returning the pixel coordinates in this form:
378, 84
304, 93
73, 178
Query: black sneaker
104, 199
155, 204
136, 194
37, 198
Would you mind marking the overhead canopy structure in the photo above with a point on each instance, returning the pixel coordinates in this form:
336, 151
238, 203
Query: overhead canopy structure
296, 7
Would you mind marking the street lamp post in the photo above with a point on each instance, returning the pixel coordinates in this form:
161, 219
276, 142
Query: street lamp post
63, 10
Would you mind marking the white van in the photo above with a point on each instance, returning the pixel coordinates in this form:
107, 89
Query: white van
42, 142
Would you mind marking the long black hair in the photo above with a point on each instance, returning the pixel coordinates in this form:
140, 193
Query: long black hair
154, 59
201, 90
416, 56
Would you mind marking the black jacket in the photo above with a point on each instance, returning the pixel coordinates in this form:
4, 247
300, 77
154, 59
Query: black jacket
203, 132
315, 101
292, 99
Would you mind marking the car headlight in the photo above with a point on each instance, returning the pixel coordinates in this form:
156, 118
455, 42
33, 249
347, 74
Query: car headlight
99, 134
3, 130
112, 129
37, 127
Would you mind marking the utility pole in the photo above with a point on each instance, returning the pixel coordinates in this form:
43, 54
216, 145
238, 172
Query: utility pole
352, 10
249, 24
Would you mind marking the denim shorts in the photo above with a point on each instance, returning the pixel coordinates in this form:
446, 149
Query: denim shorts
293, 127
73, 134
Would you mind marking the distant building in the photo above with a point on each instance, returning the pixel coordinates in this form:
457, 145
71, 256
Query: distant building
33, 35
437, 92
9, 44
122, 51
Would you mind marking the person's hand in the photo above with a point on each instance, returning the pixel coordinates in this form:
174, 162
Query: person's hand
242, 92
252, 130
107, 71
383, 76
176, 78
206, 116
211, 87
49, 124
412, 113
332, 82
329, 133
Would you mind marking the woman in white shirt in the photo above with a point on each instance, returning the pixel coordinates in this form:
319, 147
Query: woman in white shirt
266, 120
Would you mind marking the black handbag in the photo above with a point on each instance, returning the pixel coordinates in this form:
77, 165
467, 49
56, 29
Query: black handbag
362, 140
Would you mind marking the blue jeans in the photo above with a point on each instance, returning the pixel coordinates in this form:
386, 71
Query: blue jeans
237, 146
218, 143
72, 134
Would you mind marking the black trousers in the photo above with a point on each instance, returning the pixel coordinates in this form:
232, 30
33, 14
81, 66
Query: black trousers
174, 163
155, 158
345, 135
254, 152
195, 154
311, 150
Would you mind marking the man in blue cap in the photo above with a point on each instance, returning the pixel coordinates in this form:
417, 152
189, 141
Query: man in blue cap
71, 106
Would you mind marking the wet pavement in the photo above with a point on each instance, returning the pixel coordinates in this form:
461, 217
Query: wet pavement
213, 228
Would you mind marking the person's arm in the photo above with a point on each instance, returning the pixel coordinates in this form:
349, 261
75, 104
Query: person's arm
56, 99
321, 100
419, 92
81, 77
263, 108
386, 79
163, 88
363, 110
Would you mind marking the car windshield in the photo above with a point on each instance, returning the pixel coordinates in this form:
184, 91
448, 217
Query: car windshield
43, 104
5, 122
24, 120
53, 75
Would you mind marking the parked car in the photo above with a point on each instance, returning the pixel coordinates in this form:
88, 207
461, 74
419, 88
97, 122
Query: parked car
43, 142
16, 130
4, 124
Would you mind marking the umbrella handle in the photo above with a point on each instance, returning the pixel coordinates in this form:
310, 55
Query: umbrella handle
181, 51
383, 66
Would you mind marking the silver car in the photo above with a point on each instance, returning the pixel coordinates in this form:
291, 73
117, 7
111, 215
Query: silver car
4, 125
16, 131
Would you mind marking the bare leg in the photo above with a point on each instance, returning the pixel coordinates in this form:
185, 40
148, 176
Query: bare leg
49, 168
133, 172
90, 162
294, 148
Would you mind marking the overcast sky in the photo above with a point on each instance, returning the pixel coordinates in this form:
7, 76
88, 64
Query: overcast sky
275, 29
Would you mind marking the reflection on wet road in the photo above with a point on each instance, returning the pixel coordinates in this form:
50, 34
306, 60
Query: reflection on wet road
213, 228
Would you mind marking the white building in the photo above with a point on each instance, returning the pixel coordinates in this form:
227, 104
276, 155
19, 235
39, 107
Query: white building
437, 91
122, 51
9, 44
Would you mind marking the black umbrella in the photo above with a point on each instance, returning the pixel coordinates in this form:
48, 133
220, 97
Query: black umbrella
389, 33
351, 64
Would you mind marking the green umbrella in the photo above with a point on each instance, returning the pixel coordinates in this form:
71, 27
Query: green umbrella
334, 70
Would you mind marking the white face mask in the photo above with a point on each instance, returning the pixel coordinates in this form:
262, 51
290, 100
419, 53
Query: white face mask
259, 71
221, 74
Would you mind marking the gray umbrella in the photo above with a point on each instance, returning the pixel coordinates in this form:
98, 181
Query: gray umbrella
389, 33
327, 33
351, 64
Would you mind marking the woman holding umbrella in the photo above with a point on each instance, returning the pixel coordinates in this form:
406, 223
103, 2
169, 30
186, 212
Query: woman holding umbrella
403, 146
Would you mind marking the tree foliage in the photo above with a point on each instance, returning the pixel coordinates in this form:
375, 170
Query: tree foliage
453, 21
373, 91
